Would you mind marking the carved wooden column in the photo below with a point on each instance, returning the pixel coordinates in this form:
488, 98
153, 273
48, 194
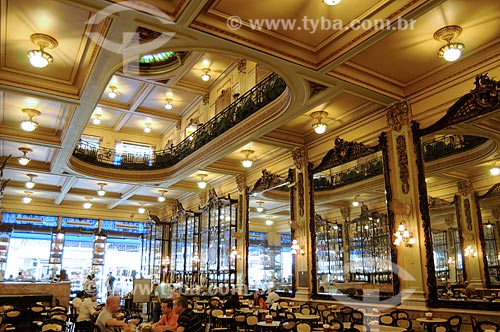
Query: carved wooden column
468, 223
300, 225
241, 235
404, 204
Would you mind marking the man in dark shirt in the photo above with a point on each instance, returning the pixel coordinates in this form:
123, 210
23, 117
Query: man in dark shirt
188, 321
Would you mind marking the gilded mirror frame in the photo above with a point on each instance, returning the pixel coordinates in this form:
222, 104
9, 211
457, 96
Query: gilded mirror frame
483, 99
267, 182
342, 153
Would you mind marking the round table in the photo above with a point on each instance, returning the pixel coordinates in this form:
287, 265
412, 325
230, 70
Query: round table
430, 322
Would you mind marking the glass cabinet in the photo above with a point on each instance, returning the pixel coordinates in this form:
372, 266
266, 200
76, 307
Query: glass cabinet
369, 248
330, 253
4, 248
218, 227
56, 252
154, 252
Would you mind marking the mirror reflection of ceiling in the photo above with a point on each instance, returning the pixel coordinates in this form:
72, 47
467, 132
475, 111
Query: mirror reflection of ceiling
351, 74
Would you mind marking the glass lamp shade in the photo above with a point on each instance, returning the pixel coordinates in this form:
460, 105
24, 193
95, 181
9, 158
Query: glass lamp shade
26, 200
260, 209
87, 205
23, 160
332, 2
319, 128
101, 192
40, 58
97, 120
141, 210
495, 171
161, 199
202, 184
269, 222
28, 125
206, 77
451, 52
247, 163
30, 184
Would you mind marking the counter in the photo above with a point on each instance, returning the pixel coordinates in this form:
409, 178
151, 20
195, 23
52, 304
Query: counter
31, 291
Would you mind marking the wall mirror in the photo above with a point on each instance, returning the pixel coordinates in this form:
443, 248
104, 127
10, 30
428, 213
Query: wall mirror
351, 228
454, 156
270, 262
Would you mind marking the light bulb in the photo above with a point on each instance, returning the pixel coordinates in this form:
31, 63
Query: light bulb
355, 203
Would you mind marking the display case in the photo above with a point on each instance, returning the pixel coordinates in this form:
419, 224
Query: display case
330, 252
4, 248
99, 250
218, 229
369, 248
56, 252
439, 241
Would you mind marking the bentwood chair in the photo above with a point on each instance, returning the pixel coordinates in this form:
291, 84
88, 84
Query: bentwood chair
486, 325
454, 323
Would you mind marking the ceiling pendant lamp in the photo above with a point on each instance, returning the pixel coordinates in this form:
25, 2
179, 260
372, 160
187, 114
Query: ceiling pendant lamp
97, 119
259, 208
247, 162
202, 184
30, 125
147, 129
101, 192
113, 92
162, 198
39, 58
206, 76
30, 184
141, 208
331, 2
87, 205
451, 51
168, 104
27, 199
319, 127
24, 160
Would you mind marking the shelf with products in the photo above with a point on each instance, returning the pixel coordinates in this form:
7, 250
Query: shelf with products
56, 247
329, 250
369, 248
5, 234
99, 249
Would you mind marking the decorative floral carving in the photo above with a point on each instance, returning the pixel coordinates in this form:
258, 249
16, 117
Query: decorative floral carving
205, 99
398, 115
242, 66
404, 174
300, 186
315, 88
299, 157
436, 202
268, 181
344, 152
241, 182
468, 216
464, 187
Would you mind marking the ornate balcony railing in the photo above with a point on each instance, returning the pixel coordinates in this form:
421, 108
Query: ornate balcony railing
448, 145
249, 103
354, 174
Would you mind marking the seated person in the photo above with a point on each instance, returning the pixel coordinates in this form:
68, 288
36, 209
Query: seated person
188, 320
87, 313
469, 289
78, 300
168, 320
233, 302
105, 321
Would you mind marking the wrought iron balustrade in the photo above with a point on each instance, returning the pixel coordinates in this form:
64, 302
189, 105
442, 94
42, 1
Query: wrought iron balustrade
249, 103
448, 145
354, 174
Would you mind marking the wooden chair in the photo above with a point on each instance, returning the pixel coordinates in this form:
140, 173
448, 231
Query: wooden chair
37, 312
53, 325
404, 323
486, 325
11, 318
336, 325
357, 316
473, 321
360, 327
454, 323
239, 321
386, 319
251, 323
440, 327
290, 316
303, 327
399, 314
346, 313
287, 325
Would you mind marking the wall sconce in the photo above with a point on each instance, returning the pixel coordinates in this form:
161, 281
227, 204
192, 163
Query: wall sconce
235, 253
97, 119
319, 127
259, 208
101, 192
247, 162
450, 51
87, 205
168, 104
202, 184
296, 248
30, 125
162, 198
24, 160
331, 2
39, 58
403, 236
470, 251
30, 184
113, 92
141, 208
27, 198
206, 76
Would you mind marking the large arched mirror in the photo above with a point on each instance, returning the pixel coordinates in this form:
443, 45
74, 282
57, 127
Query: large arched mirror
489, 214
351, 227
270, 262
454, 157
